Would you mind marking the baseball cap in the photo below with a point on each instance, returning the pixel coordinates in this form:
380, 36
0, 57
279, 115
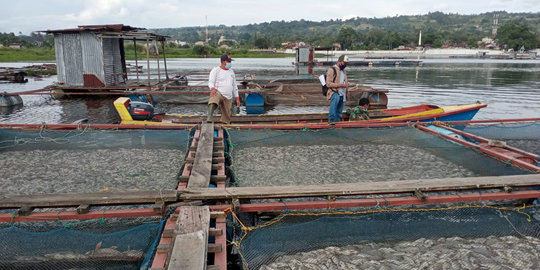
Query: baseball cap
343, 58
226, 57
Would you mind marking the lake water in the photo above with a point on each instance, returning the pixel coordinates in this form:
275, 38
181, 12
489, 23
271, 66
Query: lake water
511, 88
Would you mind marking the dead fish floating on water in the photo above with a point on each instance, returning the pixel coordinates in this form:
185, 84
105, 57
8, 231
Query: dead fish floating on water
493, 252
112, 254
98, 254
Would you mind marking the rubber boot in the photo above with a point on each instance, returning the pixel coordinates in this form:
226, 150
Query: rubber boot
211, 108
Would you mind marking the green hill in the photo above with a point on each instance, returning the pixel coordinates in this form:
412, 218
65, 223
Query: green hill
364, 33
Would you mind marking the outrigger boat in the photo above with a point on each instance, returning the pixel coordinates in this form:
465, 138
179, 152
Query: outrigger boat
421, 113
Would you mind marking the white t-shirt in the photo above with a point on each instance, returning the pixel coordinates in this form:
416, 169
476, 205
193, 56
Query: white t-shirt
224, 81
342, 90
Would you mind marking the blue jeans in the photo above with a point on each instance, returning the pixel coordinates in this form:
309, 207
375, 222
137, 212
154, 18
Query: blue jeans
336, 108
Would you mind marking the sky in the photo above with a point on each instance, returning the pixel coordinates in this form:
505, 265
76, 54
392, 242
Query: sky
26, 16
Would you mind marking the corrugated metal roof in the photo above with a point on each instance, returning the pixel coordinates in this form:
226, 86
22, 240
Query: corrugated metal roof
102, 27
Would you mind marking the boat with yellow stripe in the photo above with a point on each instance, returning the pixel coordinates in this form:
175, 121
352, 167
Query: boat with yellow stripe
131, 115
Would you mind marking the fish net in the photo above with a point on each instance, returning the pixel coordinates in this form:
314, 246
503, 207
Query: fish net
523, 136
490, 235
458, 237
278, 158
89, 244
85, 161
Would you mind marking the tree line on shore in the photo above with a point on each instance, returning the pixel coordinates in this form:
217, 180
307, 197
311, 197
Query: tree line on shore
515, 30
439, 29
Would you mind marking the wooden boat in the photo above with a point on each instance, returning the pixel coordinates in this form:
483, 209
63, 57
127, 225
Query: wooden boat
272, 93
421, 113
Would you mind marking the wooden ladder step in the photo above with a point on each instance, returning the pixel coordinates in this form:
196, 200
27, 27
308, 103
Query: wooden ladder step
163, 248
214, 166
214, 248
214, 159
213, 178
218, 214
215, 231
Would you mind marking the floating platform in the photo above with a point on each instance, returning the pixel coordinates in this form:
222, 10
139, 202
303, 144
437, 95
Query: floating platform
194, 236
372, 62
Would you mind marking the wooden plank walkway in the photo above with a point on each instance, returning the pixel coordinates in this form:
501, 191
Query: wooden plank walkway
180, 246
364, 188
202, 165
97, 198
191, 240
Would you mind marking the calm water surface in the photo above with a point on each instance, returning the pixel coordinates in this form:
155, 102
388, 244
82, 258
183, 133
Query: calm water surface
511, 88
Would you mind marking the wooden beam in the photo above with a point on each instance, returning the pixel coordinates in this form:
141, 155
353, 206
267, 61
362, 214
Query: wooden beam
202, 166
191, 242
214, 248
215, 231
364, 188
215, 160
98, 198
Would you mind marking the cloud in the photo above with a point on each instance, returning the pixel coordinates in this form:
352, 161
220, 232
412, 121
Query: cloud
31, 15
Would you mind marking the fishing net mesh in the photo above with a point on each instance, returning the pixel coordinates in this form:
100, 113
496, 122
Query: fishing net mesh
49, 161
522, 136
88, 244
452, 236
277, 158
85, 161
456, 237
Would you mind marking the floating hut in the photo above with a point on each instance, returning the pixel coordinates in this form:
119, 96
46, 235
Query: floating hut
93, 55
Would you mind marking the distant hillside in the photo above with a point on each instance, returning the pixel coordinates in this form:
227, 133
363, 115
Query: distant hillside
356, 33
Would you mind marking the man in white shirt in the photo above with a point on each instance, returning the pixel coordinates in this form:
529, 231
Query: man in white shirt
223, 88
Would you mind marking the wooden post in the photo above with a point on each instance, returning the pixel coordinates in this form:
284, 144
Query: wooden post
148, 61
165, 60
158, 69
136, 62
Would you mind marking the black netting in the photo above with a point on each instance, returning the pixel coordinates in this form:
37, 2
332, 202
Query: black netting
463, 237
89, 161
522, 136
267, 157
93, 244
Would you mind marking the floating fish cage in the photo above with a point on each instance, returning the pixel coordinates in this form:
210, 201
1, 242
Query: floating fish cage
87, 160
307, 157
395, 227
79, 244
380, 231
456, 237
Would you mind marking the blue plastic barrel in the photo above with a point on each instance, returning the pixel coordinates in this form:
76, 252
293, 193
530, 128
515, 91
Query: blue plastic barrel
254, 100
254, 110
